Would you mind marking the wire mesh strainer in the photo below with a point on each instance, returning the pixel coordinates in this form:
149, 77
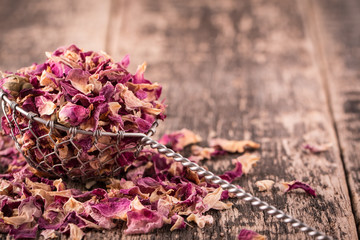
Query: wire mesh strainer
57, 150
108, 155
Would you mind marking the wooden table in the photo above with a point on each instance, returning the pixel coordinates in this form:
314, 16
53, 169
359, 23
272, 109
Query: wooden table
281, 73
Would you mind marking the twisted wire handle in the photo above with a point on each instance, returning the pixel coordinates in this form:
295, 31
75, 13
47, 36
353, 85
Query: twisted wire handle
240, 193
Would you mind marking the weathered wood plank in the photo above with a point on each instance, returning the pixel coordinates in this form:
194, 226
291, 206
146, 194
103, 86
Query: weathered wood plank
338, 46
242, 70
29, 28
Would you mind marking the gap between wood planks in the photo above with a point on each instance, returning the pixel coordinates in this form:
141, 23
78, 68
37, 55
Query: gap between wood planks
322, 64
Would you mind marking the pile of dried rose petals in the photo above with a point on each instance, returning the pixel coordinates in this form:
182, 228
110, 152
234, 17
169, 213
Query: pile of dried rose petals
154, 191
87, 90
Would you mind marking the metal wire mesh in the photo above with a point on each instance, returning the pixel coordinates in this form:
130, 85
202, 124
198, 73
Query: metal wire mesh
69, 152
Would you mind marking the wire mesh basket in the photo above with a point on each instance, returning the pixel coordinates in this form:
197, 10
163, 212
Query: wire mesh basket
57, 150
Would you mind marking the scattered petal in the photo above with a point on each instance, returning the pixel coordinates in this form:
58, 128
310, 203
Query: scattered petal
233, 146
317, 148
212, 201
49, 234
200, 220
73, 205
180, 139
203, 152
297, 184
143, 221
75, 232
246, 234
247, 161
233, 174
264, 185
179, 222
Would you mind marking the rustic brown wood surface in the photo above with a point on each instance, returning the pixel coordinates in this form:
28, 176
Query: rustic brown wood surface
338, 40
281, 73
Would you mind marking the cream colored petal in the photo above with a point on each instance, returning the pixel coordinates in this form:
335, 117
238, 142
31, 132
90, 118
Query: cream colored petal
73, 205
136, 204
37, 185
211, 198
264, 185
247, 161
45, 106
58, 183
219, 205
200, 220
203, 152
189, 137
49, 234
75, 232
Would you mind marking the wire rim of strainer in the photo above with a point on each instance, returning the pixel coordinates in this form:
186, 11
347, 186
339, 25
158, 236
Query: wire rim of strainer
33, 116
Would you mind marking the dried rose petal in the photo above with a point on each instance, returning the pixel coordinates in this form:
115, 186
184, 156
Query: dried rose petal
131, 101
200, 220
72, 114
44, 106
264, 185
233, 174
247, 161
125, 61
116, 210
204, 153
29, 210
139, 75
297, 184
49, 234
180, 139
317, 148
24, 232
212, 201
80, 80
233, 146
195, 159
72, 205
246, 234
143, 221
75, 232
178, 222
48, 79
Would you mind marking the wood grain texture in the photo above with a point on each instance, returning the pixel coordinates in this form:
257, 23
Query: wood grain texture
240, 70
29, 28
338, 41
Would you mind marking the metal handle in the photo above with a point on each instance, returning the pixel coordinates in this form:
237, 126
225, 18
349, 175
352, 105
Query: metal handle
240, 193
